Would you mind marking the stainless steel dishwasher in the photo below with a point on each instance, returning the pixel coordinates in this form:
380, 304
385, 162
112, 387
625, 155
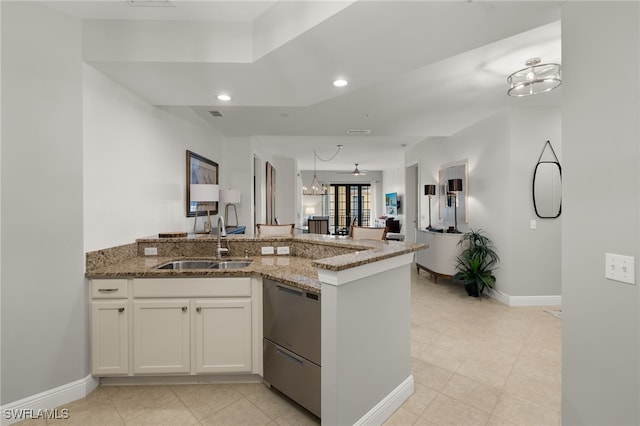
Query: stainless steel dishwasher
292, 343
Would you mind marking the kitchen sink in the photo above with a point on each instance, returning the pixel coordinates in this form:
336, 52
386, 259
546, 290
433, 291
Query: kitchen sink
231, 264
205, 264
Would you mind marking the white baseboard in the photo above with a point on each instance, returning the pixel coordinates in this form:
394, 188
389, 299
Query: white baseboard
525, 300
389, 404
181, 380
49, 399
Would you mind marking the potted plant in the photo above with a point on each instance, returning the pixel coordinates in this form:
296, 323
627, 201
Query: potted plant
476, 263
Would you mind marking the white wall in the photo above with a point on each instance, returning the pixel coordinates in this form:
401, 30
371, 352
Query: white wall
44, 334
287, 198
135, 163
236, 172
601, 180
103, 168
485, 145
263, 155
535, 254
501, 152
393, 181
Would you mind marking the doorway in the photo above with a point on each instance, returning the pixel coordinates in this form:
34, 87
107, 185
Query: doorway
411, 203
348, 202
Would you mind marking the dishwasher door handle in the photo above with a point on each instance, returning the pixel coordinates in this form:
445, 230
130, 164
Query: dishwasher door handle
290, 356
290, 290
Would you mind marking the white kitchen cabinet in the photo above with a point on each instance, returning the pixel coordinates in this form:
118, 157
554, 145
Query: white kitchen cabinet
109, 327
161, 336
109, 337
177, 325
223, 335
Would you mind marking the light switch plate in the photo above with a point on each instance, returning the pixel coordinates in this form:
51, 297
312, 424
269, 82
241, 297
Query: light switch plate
266, 250
151, 251
533, 224
620, 268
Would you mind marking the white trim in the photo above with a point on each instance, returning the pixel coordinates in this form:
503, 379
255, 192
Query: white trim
180, 379
499, 296
525, 300
337, 278
52, 398
389, 404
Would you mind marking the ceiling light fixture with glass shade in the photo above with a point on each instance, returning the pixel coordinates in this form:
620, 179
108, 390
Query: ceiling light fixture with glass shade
536, 78
316, 187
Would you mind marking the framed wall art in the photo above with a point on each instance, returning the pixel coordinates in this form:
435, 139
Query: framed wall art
271, 194
200, 170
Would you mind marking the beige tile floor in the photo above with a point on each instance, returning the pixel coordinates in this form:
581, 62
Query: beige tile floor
475, 362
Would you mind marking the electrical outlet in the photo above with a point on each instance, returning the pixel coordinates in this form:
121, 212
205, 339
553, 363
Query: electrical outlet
266, 250
533, 224
620, 268
151, 251
283, 250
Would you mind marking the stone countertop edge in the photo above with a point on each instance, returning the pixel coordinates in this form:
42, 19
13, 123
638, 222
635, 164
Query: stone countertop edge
298, 271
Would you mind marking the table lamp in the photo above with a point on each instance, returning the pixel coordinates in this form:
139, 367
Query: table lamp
430, 191
230, 197
203, 193
455, 186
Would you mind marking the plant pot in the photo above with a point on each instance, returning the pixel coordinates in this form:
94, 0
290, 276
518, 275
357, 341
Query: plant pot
472, 290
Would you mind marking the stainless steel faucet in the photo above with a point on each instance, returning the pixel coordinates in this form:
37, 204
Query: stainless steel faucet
222, 232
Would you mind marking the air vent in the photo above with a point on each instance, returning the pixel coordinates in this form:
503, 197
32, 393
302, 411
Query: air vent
215, 113
358, 131
151, 3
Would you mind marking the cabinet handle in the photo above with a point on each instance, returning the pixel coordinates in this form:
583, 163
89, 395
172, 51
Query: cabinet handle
198, 309
184, 309
121, 310
107, 290
291, 357
290, 290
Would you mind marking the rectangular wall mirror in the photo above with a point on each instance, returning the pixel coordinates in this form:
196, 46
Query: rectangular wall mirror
456, 170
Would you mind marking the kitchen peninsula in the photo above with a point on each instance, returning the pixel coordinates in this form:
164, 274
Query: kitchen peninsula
365, 309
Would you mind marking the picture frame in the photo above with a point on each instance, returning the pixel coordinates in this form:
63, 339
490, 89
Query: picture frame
391, 203
200, 170
271, 194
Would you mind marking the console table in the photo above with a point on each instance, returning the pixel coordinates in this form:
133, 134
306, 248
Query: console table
439, 258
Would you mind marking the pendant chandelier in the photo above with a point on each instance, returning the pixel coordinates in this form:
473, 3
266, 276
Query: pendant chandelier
316, 187
536, 78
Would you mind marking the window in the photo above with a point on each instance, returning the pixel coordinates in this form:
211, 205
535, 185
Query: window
348, 201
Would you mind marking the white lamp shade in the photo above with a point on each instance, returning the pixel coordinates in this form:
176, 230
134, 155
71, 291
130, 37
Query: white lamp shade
204, 192
229, 196
310, 210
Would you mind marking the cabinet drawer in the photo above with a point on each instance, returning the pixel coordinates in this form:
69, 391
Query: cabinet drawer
294, 376
192, 287
109, 289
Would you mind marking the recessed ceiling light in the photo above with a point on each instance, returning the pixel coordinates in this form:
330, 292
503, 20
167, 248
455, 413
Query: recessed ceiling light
340, 83
224, 98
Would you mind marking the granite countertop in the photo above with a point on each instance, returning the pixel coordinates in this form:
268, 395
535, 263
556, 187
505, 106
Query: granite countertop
309, 251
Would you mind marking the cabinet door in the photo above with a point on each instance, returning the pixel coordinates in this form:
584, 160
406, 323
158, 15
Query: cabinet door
223, 335
161, 340
109, 338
